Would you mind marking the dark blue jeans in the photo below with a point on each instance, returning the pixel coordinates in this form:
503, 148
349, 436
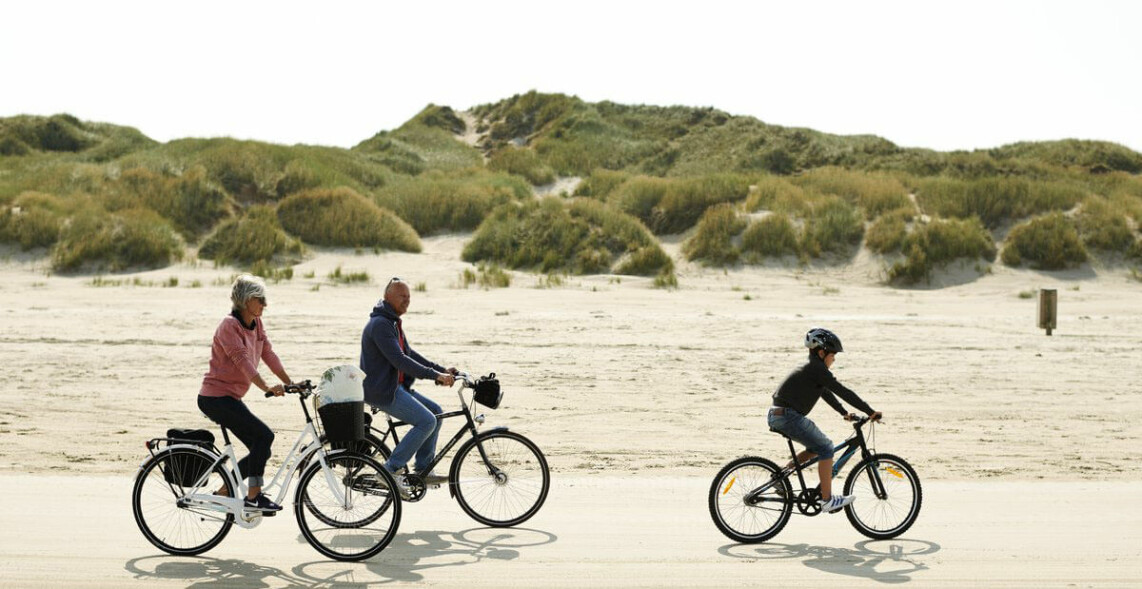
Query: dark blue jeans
233, 415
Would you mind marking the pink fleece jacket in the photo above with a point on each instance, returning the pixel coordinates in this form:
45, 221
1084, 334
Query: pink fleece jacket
234, 358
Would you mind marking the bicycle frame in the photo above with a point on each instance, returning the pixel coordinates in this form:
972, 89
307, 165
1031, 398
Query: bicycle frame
470, 428
845, 450
298, 455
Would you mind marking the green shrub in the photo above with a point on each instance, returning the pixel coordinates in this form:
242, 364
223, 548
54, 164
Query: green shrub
1104, 226
341, 217
771, 236
832, 225
874, 193
581, 237
256, 236
887, 232
1050, 242
936, 244
521, 162
128, 238
712, 243
450, 201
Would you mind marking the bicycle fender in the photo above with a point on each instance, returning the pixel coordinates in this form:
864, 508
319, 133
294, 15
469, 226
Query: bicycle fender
454, 470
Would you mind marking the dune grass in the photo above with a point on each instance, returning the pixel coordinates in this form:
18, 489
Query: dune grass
549, 235
436, 201
1104, 226
254, 237
772, 236
341, 217
426, 142
115, 241
933, 245
672, 205
872, 192
1049, 242
521, 162
600, 183
713, 241
831, 226
995, 200
886, 234
33, 220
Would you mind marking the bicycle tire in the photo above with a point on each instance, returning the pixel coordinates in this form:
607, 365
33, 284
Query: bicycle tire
175, 529
357, 529
515, 478
892, 515
361, 482
734, 516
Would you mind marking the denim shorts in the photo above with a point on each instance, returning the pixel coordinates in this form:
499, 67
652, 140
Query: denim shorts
800, 429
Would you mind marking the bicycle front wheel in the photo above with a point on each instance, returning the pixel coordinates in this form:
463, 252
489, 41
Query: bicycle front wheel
348, 510
165, 505
887, 496
740, 510
500, 479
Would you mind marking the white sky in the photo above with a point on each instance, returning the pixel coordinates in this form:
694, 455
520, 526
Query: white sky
947, 74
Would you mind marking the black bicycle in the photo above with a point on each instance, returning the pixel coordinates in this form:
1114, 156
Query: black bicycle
499, 477
751, 498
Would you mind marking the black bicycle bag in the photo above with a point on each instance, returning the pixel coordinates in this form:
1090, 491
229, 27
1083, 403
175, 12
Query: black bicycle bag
185, 469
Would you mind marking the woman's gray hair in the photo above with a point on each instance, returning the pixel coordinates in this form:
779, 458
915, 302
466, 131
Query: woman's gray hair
246, 287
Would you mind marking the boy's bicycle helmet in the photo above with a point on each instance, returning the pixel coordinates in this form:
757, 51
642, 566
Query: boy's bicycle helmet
819, 337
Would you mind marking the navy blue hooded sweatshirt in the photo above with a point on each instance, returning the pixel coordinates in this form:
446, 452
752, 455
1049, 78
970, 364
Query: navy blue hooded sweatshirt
382, 357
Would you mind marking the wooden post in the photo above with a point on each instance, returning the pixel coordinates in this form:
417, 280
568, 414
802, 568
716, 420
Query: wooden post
1048, 309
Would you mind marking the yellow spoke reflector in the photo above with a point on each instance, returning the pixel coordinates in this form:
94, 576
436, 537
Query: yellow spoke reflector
894, 472
727, 489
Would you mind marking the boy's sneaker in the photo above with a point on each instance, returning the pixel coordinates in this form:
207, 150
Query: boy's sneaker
263, 504
836, 503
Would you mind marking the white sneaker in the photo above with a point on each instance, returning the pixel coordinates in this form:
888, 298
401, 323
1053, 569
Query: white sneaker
836, 503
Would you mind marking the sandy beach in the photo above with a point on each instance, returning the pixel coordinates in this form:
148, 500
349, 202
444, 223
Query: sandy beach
628, 389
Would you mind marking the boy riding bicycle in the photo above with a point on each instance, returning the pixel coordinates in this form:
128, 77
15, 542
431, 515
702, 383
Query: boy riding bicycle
796, 397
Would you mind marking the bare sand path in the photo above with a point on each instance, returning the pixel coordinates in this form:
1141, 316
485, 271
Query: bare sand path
633, 531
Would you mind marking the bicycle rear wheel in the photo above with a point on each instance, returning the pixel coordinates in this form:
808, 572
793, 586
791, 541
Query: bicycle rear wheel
507, 488
360, 526
162, 511
887, 514
742, 514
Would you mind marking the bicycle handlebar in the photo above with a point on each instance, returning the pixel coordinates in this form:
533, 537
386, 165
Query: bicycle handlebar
303, 387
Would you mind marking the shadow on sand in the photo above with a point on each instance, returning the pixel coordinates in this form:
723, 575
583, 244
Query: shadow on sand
885, 561
403, 560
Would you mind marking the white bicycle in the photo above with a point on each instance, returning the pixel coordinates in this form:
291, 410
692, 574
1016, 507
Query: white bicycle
346, 503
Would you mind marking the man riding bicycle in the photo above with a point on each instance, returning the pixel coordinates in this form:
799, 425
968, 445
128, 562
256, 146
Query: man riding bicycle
391, 366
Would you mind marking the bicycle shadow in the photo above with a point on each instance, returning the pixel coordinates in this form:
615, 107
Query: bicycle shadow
402, 560
885, 561
411, 554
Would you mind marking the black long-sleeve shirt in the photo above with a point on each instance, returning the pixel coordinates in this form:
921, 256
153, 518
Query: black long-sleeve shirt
813, 381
